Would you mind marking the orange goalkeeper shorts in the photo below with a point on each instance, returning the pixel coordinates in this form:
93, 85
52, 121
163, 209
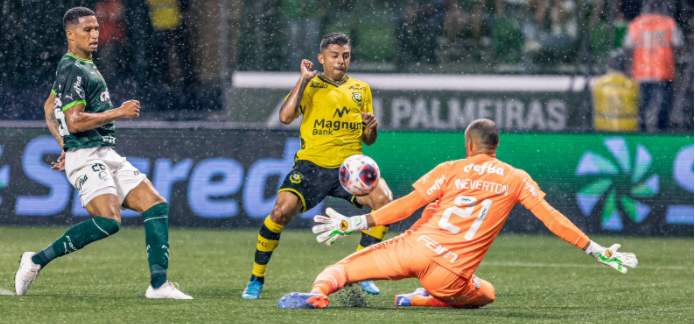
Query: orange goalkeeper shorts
399, 258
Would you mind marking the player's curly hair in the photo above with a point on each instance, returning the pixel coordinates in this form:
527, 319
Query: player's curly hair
334, 38
73, 15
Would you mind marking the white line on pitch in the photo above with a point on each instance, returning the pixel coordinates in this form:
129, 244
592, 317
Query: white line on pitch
5, 292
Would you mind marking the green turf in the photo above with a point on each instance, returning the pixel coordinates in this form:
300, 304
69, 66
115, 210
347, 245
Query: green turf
537, 278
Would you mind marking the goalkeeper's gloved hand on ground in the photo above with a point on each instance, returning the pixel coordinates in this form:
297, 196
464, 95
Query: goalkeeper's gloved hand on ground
611, 257
334, 225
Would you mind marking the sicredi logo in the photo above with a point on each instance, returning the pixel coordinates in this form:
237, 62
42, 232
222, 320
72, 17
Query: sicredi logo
486, 167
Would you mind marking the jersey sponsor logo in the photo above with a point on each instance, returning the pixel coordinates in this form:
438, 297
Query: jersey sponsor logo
327, 127
437, 248
339, 112
437, 185
530, 188
77, 86
486, 167
80, 182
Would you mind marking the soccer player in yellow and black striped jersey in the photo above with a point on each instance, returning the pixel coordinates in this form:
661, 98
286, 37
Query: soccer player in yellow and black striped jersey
336, 118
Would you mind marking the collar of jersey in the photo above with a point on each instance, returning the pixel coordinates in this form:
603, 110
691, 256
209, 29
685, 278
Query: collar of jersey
481, 157
77, 58
331, 82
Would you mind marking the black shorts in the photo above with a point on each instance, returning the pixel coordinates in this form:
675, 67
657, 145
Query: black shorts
312, 183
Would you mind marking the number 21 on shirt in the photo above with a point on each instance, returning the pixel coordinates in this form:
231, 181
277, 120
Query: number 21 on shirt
464, 207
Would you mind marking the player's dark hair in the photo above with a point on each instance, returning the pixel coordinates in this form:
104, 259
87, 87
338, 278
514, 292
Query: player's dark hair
485, 132
73, 15
334, 38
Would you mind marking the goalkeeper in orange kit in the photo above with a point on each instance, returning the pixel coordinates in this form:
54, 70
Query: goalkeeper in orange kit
466, 205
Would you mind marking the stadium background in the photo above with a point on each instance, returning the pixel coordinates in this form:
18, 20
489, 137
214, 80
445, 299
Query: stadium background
211, 75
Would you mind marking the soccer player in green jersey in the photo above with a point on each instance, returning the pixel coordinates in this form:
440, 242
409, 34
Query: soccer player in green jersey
80, 116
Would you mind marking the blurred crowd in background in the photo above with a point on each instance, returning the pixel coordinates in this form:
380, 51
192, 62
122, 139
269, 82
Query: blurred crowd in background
172, 53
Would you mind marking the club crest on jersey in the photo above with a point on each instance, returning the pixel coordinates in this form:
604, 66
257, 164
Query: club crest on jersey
357, 97
296, 178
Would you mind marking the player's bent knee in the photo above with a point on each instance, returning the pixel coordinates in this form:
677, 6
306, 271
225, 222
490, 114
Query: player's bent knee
282, 214
105, 206
285, 208
110, 226
484, 295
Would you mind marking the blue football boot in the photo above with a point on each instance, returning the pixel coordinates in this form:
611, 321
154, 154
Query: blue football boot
253, 288
297, 300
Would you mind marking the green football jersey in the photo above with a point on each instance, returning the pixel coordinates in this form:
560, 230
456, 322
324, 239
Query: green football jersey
78, 81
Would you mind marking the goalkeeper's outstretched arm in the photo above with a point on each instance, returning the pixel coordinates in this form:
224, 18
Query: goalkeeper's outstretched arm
334, 225
397, 210
562, 227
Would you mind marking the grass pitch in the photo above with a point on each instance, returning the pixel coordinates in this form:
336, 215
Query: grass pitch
537, 278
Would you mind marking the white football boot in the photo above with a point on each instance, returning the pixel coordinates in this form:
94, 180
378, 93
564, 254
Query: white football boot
167, 291
26, 274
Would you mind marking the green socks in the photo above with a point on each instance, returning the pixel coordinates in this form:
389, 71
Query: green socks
77, 237
156, 220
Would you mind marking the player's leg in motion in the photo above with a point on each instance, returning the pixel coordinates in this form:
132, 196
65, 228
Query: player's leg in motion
380, 196
392, 259
105, 221
443, 288
286, 207
145, 199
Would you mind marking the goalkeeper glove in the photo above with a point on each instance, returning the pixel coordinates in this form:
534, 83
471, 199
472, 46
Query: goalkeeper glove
334, 226
611, 257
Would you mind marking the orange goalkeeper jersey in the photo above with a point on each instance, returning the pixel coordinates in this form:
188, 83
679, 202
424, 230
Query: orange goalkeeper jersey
470, 201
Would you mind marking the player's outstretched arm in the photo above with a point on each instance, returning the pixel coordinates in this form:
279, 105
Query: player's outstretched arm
334, 225
562, 227
290, 107
79, 121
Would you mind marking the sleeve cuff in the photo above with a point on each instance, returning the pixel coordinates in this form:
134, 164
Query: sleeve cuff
73, 103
